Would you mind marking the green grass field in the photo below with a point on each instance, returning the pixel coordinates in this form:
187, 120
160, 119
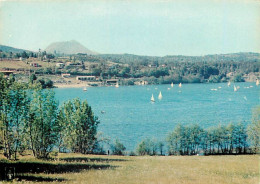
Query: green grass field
96, 169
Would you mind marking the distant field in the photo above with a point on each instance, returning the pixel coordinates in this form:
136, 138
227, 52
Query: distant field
13, 64
96, 169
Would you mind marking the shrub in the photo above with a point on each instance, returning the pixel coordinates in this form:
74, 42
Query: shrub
118, 148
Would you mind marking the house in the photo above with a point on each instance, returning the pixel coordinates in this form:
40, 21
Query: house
7, 73
65, 75
21, 59
35, 64
68, 63
87, 78
60, 65
163, 65
230, 74
152, 66
141, 82
112, 81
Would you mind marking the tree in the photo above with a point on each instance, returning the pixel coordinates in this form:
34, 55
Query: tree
118, 148
24, 55
42, 125
147, 147
176, 140
254, 130
160, 146
33, 78
79, 126
238, 78
143, 148
13, 110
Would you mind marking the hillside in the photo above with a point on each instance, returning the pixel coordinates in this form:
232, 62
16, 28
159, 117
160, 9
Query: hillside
68, 47
4, 48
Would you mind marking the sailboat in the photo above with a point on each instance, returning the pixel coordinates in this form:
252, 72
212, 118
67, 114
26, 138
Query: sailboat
172, 85
85, 89
160, 95
117, 85
228, 83
152, 99
257, 82
180, 85
235, 88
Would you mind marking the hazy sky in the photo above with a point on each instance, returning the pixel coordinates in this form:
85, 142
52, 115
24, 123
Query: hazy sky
137, 27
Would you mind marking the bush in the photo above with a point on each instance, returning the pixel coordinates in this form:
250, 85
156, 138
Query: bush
238, 78
118, 148
132, 153
147, 147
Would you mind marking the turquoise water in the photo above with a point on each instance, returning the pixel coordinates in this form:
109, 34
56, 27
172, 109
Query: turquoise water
131, 117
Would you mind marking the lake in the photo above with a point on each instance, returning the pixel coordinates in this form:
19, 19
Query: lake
129, 115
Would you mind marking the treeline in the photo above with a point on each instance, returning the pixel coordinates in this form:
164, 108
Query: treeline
160, 70
193, 140
31, 119
44, 83
185, 72
25, 55
145, 60
231, 139
220, 140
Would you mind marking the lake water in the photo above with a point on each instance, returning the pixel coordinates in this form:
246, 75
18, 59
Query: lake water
131, 117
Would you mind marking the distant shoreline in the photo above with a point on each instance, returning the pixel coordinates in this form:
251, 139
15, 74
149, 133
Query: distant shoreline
82, 85
70, 85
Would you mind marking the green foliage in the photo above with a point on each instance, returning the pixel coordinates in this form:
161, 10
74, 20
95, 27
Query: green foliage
214, 79
45, 83
147, 147
13, 109
33, 78
254, 130
132, 153
78, 126
118, 148
42, 125
30, 119
238, 78
190, 140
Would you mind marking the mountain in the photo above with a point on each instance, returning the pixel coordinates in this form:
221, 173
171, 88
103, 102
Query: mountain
4, 48
68, 47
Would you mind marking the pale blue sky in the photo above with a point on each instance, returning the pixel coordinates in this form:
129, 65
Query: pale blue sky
136, 27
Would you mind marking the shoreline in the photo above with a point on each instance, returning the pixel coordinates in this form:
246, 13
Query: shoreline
82, 85
70, 85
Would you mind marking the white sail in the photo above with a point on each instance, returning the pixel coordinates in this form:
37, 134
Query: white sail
117, 85
235, 88
228, 84
171, 84
152, 98
180, 85
85, 89
257, 82
160, 95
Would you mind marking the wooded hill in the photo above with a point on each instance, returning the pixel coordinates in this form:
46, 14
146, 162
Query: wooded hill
129, 58
8, 49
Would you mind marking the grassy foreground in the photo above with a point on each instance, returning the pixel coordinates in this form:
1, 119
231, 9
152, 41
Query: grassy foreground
96, 169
